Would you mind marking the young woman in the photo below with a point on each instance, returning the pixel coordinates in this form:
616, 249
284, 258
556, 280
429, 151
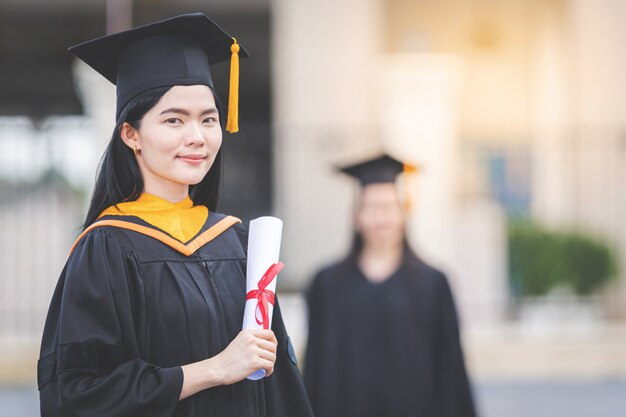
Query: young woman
146, 317
383, 335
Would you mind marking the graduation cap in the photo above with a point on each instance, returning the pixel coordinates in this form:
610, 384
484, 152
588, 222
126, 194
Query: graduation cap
175, 51
382, 169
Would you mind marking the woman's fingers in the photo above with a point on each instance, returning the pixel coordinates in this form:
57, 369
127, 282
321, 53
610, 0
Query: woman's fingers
267, 354
268, 366
263, 334
250, 351
267, 345
263, 339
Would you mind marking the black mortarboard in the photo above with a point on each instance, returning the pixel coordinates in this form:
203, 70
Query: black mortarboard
176, 51
382, 169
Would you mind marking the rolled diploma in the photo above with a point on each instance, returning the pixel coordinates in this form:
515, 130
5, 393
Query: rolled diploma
264, 238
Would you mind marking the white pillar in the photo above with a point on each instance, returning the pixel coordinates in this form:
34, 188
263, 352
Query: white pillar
322, 54
418, 96
553, 179
597, 30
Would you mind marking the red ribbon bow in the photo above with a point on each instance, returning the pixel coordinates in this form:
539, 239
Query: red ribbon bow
263, 295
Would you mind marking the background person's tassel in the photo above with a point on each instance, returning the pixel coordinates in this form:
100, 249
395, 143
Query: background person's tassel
408, 174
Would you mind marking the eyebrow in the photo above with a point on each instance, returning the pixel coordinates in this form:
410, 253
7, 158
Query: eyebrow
184, 112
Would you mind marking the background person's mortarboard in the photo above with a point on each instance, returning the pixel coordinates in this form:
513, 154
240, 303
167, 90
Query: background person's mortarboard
175, 51
383, 169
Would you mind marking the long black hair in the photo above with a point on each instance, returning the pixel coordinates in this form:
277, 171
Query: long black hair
119, 178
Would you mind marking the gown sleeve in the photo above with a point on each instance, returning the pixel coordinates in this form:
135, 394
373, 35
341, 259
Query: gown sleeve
454, 397
90, 364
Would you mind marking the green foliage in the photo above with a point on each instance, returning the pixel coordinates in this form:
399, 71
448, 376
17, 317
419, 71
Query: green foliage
541, 259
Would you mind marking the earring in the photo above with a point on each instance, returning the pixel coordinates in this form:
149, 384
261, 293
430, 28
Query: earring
136, 151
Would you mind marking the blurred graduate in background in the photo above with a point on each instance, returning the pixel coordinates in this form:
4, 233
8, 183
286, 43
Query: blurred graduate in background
383, 330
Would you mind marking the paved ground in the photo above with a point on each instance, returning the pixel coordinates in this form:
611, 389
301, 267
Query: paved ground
602, 398
495, 398
19, 402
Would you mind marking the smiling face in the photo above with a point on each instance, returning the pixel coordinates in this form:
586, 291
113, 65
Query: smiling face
178, 140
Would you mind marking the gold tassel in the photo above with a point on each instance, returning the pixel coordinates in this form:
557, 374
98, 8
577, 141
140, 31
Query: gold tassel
408, 172
232, 124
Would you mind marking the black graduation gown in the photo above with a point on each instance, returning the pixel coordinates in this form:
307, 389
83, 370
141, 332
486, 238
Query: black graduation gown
129, 310
387, 349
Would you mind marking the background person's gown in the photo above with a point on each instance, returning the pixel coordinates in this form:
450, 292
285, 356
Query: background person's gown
387, 349
128, 310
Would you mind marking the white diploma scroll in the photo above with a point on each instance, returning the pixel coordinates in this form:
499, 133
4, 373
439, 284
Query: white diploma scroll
263, 263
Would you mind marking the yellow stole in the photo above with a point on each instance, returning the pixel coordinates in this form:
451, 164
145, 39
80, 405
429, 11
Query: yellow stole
180, 220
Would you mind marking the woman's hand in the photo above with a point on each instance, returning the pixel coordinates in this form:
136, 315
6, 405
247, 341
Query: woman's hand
250, 351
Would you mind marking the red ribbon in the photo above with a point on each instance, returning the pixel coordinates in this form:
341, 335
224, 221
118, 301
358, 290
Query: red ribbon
265, 296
